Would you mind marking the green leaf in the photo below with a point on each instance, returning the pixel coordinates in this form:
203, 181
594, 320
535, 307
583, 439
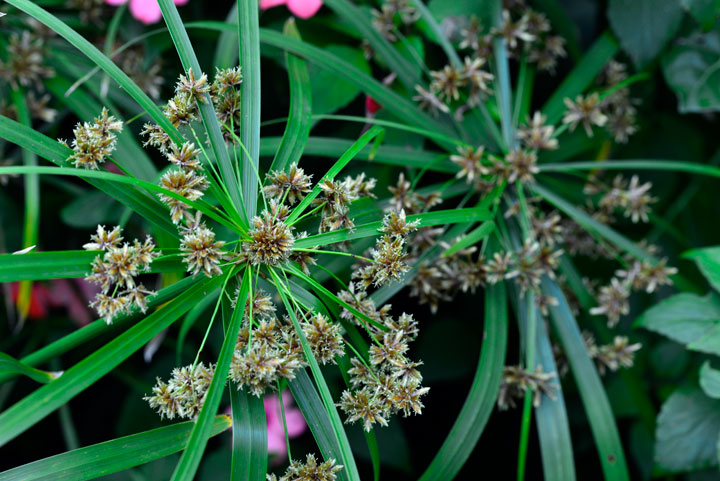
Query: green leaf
692, 70
428, 219
382, 48
81, 337
227, 50
111, 456
597, 406
146, 206
317, 418
207, 111
91, 209
590, 224
122, 179
128, 152
688, 319
297, 129
708, 261
480, 401
687, 432
710, 380
190, 460
249, 441
249, 38
385, 154
356, 147
427, 16
551, 418
473, 237
704, 11
89, 50
11, 367
31, 222
659, 20
40, 403
583, 75
346, 456
329, 92
65, 264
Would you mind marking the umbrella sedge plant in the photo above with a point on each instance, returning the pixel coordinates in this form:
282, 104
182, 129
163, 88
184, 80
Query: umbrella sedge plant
273, 227
264, 240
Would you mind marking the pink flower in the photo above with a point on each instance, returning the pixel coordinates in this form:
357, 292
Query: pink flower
72, 295
301, 8
147, 11
276, 432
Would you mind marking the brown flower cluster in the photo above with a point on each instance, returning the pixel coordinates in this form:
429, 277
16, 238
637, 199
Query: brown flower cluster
184, 394
516, 381
94, 142
115, 272
310, 470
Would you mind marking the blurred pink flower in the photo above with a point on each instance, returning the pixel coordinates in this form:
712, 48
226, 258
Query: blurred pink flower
147, 11
276, 432
301, 8
71, 295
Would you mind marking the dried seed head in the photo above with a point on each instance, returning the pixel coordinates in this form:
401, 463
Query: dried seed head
363, 406
185, 156
184, 394
536, 135
447, 82
94, 142
585, 110
396, 224
429, 100
104, 240
311, 470
185, 183
324, 338
469, 159
271, 241
226, 79
291, 186
193, 88
613, 302
25, 62
201, 252
522, 165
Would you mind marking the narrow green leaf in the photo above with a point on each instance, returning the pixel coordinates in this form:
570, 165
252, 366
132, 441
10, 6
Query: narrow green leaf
551, 415
386, 154
502, 74
581, 76
592, 225
146, 206
190, 460
81, 337
31, 222
111, 456
473, 417
101, 61
249, 38
227, 50
346, 456
356, 147
597, 406
207, 112
128, 154
65, 264
640, 164
384, 49
249, 448
108, 176
40, 403
442, 39
317, 418
473, 237
11, 367
428, 219
297, 129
